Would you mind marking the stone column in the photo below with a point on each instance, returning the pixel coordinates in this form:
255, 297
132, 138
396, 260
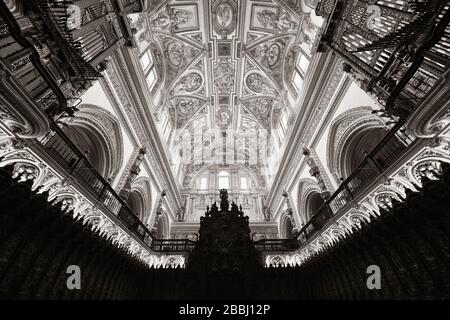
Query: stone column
315, 172
158, 212
132, 174
290, 212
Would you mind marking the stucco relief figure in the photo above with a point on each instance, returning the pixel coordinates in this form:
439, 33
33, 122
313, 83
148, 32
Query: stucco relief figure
189, 83
185, 106
224, 77
284, 23
137, 24
171, 19
307, 35
271, 20
256, 83
175, 53
223, 117
224, 15
267, 213
263, 106
269, 53
266, 18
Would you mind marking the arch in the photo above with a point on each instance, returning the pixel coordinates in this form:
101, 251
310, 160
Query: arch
161, 226
139, 199
223, 180
313, 203
307, 187
277, 261
363, 142
344, 128
136, 203
97, 131
287, 225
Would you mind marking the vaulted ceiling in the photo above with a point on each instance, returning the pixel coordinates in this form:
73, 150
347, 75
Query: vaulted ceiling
225, 68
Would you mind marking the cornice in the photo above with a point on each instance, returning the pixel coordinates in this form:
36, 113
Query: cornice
328, 74
131, 108
144, 114
126, 125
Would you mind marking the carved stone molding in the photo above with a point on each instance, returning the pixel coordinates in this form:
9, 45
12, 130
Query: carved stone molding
61, 189
425, 163
315, 112
118, 73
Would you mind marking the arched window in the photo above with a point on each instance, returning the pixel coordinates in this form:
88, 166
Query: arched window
149, 69
244, 183
203, 183
223, 180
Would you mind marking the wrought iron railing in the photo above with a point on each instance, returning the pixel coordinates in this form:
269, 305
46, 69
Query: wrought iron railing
276, 245
173, 245
66, 153
373, 165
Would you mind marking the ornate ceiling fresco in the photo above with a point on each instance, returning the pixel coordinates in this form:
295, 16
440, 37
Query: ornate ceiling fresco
225, 67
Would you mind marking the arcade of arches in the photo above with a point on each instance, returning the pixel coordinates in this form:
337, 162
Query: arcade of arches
172, 132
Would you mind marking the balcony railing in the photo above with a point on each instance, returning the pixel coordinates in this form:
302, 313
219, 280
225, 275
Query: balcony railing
374, 164
173, 245
276, 245
64, 151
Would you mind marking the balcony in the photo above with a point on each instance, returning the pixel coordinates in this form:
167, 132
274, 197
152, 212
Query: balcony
62, 150
373, 169
373, 166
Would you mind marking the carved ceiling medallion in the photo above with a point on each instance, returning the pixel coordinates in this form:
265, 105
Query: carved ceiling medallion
224, 16
189, 83
224, 77
223, 117
256, 83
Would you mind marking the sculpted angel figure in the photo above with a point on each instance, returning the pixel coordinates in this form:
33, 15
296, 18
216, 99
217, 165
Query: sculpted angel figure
172, 18
266, 18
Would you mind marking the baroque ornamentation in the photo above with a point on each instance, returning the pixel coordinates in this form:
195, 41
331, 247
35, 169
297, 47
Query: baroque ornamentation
172, 19
189, 83
258, 84
223, 117
224, 16
224, 76
278, 22
30, 167
426, 163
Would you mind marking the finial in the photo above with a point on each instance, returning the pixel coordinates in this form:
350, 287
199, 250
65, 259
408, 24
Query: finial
224, 199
